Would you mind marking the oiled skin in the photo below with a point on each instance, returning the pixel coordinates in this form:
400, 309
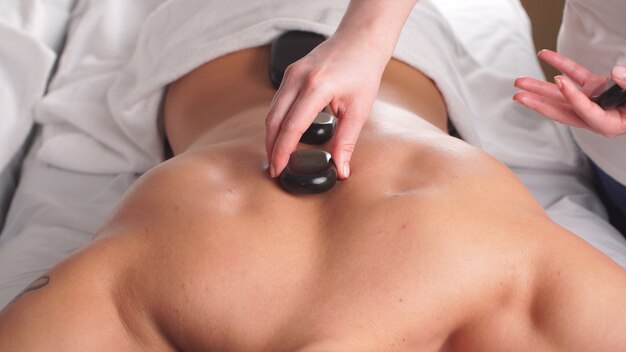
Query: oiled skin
431, 245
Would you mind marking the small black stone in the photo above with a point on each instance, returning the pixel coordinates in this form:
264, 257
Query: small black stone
611, 98
309, 172
288, 48
321, 130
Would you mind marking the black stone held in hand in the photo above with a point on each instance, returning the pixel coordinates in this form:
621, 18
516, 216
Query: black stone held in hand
309, 172
321, 130
611, 98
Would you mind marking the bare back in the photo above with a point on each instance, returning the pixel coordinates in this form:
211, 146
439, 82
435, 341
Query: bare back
431, 245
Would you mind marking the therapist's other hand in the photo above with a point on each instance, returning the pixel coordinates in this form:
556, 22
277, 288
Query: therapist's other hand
343, 72
567, 100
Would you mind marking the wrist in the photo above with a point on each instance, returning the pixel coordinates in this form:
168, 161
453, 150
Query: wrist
378, 45
378, 23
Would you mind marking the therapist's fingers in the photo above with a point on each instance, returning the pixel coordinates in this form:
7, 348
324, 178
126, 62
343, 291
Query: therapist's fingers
548, 90
279, 108
608, 123
589, 82
567, 66
619, 76
346, 136
551, 109
302, 113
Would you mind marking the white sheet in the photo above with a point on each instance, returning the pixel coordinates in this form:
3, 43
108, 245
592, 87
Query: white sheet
79, 132
57, 211
31, 32
121, 134
175, 38
54, 213
31, 35
8, 183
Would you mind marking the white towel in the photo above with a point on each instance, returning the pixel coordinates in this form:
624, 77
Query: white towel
180, 35
79, 132
82, 133
31, 32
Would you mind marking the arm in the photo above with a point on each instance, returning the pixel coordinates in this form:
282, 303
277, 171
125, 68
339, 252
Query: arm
344, 72
580, 301
71, 308
569, 297
381, 20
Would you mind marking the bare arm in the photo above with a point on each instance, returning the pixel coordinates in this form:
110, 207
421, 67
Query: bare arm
580, 301
344, 72
68, 309
567, 297
381, 20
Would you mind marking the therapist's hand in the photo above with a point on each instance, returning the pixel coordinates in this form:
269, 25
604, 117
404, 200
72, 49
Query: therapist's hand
343, 72
567, 101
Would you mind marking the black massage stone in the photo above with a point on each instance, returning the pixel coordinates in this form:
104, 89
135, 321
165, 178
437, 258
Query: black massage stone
321, 130
611, 98
309, 172
289, 48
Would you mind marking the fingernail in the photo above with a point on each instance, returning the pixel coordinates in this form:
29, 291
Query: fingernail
619, 72
559, 81
346, 170
272, 171
520, 99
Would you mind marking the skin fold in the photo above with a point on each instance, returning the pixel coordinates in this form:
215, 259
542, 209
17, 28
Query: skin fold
431, 245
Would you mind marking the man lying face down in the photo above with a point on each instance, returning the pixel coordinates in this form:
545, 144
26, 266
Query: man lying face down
431, 245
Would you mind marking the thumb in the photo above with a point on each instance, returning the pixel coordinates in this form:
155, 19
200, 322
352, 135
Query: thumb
619, 76
347, 134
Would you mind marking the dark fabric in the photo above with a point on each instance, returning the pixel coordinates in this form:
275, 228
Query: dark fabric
452, 131
168, 153
613, 195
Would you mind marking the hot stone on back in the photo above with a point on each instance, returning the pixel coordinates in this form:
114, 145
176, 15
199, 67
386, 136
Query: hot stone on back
309, 172
321, 130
